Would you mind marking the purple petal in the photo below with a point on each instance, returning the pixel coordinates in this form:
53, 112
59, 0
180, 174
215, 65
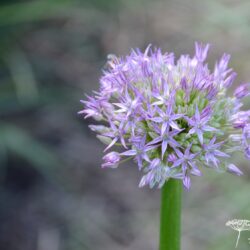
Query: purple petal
129, 152
174, 125
164, 148
187, 151
140, 163
242, 91
111, 144
176, 116
179, 153
221, 154
231, 168
177, 163
154, 141
247, 152
164, 128
212, 141
209, 128
173, 143
195, 171
187, 182
123, 142
172, 157
228, 82
169, 109
184, 167
145, 157
157, 119
200, 135
197, 114
192, 131
201, 51
190, 121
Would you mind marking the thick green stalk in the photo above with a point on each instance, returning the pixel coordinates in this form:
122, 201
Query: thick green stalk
170, 219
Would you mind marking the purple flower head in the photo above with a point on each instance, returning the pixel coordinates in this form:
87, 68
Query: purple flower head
172, 117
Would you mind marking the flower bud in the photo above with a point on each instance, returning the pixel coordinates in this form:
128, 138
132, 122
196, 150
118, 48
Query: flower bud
111, 160
99, 128
172, 158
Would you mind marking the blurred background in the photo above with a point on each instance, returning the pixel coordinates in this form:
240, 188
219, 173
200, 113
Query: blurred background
53, 193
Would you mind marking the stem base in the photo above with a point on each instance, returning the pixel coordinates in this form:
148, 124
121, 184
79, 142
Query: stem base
170, 218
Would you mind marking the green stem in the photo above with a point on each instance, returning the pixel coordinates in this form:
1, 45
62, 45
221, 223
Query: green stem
170, 221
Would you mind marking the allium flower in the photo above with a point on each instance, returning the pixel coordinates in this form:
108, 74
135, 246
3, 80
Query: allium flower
172, 118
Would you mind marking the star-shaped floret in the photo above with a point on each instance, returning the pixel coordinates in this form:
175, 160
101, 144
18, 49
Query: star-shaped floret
199, 124
163, 96
129, 105
165, 139
139, 151
187, 162
212, 152
167, 119
117, 133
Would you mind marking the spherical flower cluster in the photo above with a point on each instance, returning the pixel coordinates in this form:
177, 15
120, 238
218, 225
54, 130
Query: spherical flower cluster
172, 118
